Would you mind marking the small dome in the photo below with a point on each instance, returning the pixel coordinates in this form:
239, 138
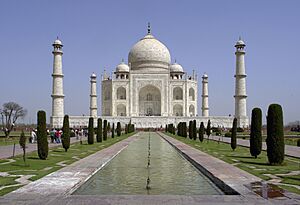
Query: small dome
93, 75
57, 42
149, 52
240, 42
122, 67
205, 75
176, 68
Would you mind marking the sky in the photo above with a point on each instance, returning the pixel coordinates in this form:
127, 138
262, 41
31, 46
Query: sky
199, 34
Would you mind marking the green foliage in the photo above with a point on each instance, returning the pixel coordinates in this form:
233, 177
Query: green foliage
108, 127
191, 129
194, 130
105, 130
66, 133
166, 128
179, 129
22, 143
255, 134
208, 129
184, 130
113, 130
126, 128
275, 136
91, 131
239, 129
119, 129
227, 134
42, 142
298, 143
233, 134
99, 130
201, 132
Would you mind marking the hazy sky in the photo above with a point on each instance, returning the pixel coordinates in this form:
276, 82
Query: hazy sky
199, 34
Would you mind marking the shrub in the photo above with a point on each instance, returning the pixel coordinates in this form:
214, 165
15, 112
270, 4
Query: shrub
91, 131
99, 130
201, 132
275, 136
113, 130
191, 129
126, 128
227, 134
208, 129
233, 134
298, 143
194, 129
105, 130
22, 143
184, 130
239, 129
66, 133
119, 129
42, 142
255, 134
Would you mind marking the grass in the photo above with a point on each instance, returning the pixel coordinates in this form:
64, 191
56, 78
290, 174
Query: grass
40, 168
242, 159
14, 138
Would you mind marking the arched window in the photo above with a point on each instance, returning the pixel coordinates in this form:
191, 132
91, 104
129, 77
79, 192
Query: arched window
192, 94
149, 97
121, 110
177, 93
177, 110
192, 110
121, 93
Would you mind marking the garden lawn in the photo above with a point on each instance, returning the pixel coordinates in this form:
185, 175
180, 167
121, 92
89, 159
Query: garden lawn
242, 159
57, 158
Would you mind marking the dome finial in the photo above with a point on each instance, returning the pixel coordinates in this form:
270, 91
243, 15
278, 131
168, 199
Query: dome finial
175, 60
240, 38
122, 60
149, 28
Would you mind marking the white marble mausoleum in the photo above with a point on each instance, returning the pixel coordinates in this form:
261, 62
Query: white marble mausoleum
149, 90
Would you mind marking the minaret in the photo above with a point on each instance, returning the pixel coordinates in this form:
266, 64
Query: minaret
56, 119
93, 96
205, 108
240, 85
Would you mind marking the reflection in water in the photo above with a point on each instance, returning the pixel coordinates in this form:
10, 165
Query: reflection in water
168, 172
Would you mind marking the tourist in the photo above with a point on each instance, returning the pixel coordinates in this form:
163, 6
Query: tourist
33, 136
52, 135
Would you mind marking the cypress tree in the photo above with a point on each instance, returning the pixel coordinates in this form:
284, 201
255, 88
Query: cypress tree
191, 129
208, 130
255, 134
119, 129
108, 127
105, 130
275, 136
99, 130
184, 130
91, 131
42, 142
233, 134
194, 129
201, 132
166, 128
113, 130
126, 128
22, 143
179, 129
66, 133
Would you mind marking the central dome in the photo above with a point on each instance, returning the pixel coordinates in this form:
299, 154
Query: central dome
149, 53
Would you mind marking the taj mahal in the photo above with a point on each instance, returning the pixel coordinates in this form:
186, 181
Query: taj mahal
149, 90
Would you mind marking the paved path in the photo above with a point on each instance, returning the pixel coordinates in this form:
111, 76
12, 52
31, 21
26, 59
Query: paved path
7, 151
291, 151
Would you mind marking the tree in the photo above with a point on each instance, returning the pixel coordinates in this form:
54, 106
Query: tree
275, 136
10, 113
201, 132
184, 130
255, 134
42, 142
208, 130
105, 130
91, 131
113, 130
191, 129
108, 127
66, 133
179, 131
126, 128
194, 129
99, 130
22, 143
119, 129
233, 134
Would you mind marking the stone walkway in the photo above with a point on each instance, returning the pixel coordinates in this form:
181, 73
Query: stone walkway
291, 151
7, 151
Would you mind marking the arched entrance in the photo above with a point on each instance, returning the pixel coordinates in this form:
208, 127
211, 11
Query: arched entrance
149, 101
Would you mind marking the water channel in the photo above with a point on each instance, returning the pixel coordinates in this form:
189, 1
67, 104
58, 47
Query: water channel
148, 165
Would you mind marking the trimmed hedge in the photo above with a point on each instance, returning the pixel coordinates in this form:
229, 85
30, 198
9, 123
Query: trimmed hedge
42, 142
91, 131
99, 130
233, 134
65, 140
255, 134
